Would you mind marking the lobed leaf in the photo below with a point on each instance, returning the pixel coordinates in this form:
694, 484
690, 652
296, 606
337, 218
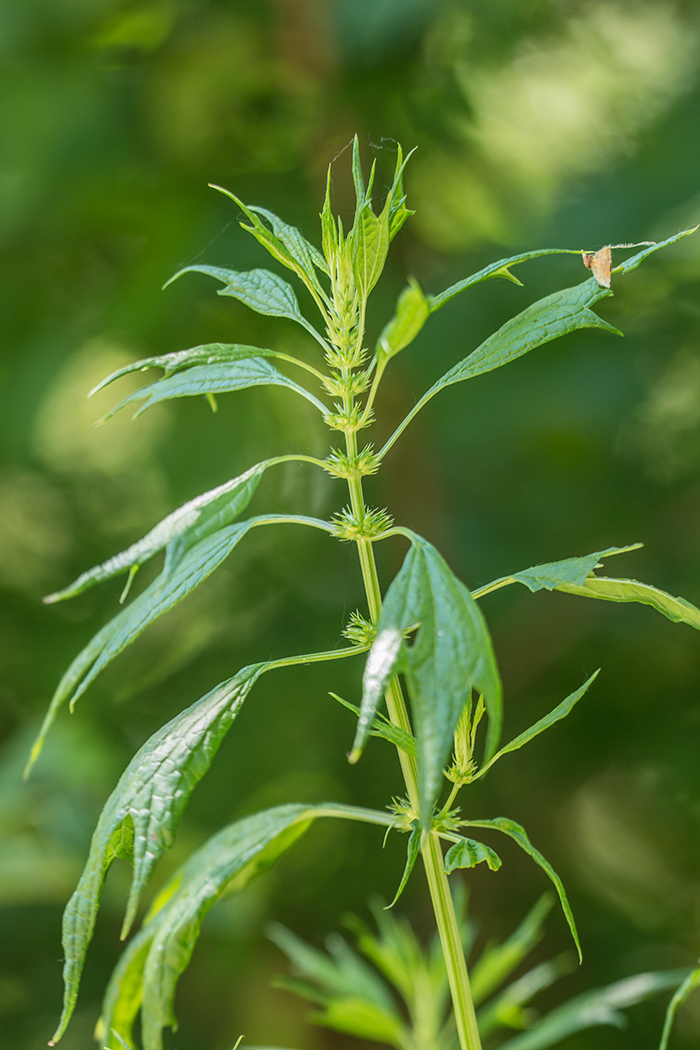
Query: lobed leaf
162, 949
467, 853
411, 314
219, 378
261, 290
451, 654
691, 982
519, 835
147, 804
206, 354
182, 573
191, 522
599, 1007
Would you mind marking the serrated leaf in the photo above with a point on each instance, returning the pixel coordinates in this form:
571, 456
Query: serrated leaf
412, 851
691, 982
467, 853
555, 715
191, 522
498, 961
226, 863
570, 570
451, 654
182, 573
147, 803
370, 245
206, 354
519, 835
305, 253
613, 590
261, 290
214, 379
411, 314
599, 1007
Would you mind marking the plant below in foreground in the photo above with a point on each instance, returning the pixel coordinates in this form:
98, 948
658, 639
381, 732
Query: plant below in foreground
426, 628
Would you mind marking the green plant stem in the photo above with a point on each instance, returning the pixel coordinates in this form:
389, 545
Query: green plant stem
448, 927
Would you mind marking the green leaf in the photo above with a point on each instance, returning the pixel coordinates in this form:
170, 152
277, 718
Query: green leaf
570, 570
555, 715
206, 354
182, 573
226, 863
508, 1009
329, 230
147, 804
412, 852
691, 982
451, 654
214, 379
396, 199
191, 522
411, 314
383, 728
498, 961
633, 262
370, 245
124, 994
467, 853
612, 590
519, 835
261, 290
599, 1007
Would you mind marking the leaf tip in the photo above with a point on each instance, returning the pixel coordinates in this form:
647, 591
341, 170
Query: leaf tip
354, 755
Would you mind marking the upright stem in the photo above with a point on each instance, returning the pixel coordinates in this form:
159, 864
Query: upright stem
448, 927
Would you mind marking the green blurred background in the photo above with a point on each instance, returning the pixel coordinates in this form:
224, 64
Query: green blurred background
545, 123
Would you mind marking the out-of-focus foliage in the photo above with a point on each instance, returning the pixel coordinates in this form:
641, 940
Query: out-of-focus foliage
552, 123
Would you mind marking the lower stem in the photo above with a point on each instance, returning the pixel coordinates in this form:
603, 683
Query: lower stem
441, 898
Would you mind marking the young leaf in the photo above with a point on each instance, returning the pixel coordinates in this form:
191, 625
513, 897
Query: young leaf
147, 803
599, 1007
689, 985
191, 522
467, 853
519, 835
165, 943
396, 199
180, 576
261, 290
383, 728
411, 314
633, 262
498, 961
206, 354
370, 245
305, 253
451, 654
412, 852
214, 379
612, 590
560, 711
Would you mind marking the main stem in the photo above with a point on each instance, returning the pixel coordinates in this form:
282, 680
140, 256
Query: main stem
448, 927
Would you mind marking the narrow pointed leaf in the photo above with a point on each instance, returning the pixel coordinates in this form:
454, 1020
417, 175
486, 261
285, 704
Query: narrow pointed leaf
498, 961
691, 982
329, 231
508, 1008
519, 835
261, 290
397, 211
191, 522
451, 654
467, 853
599, 1007
633, 262
412, 851
411, 314
206, 354
147, 804
214, 379
179, 577
382, 727
225, 863
613, 590
560, 711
